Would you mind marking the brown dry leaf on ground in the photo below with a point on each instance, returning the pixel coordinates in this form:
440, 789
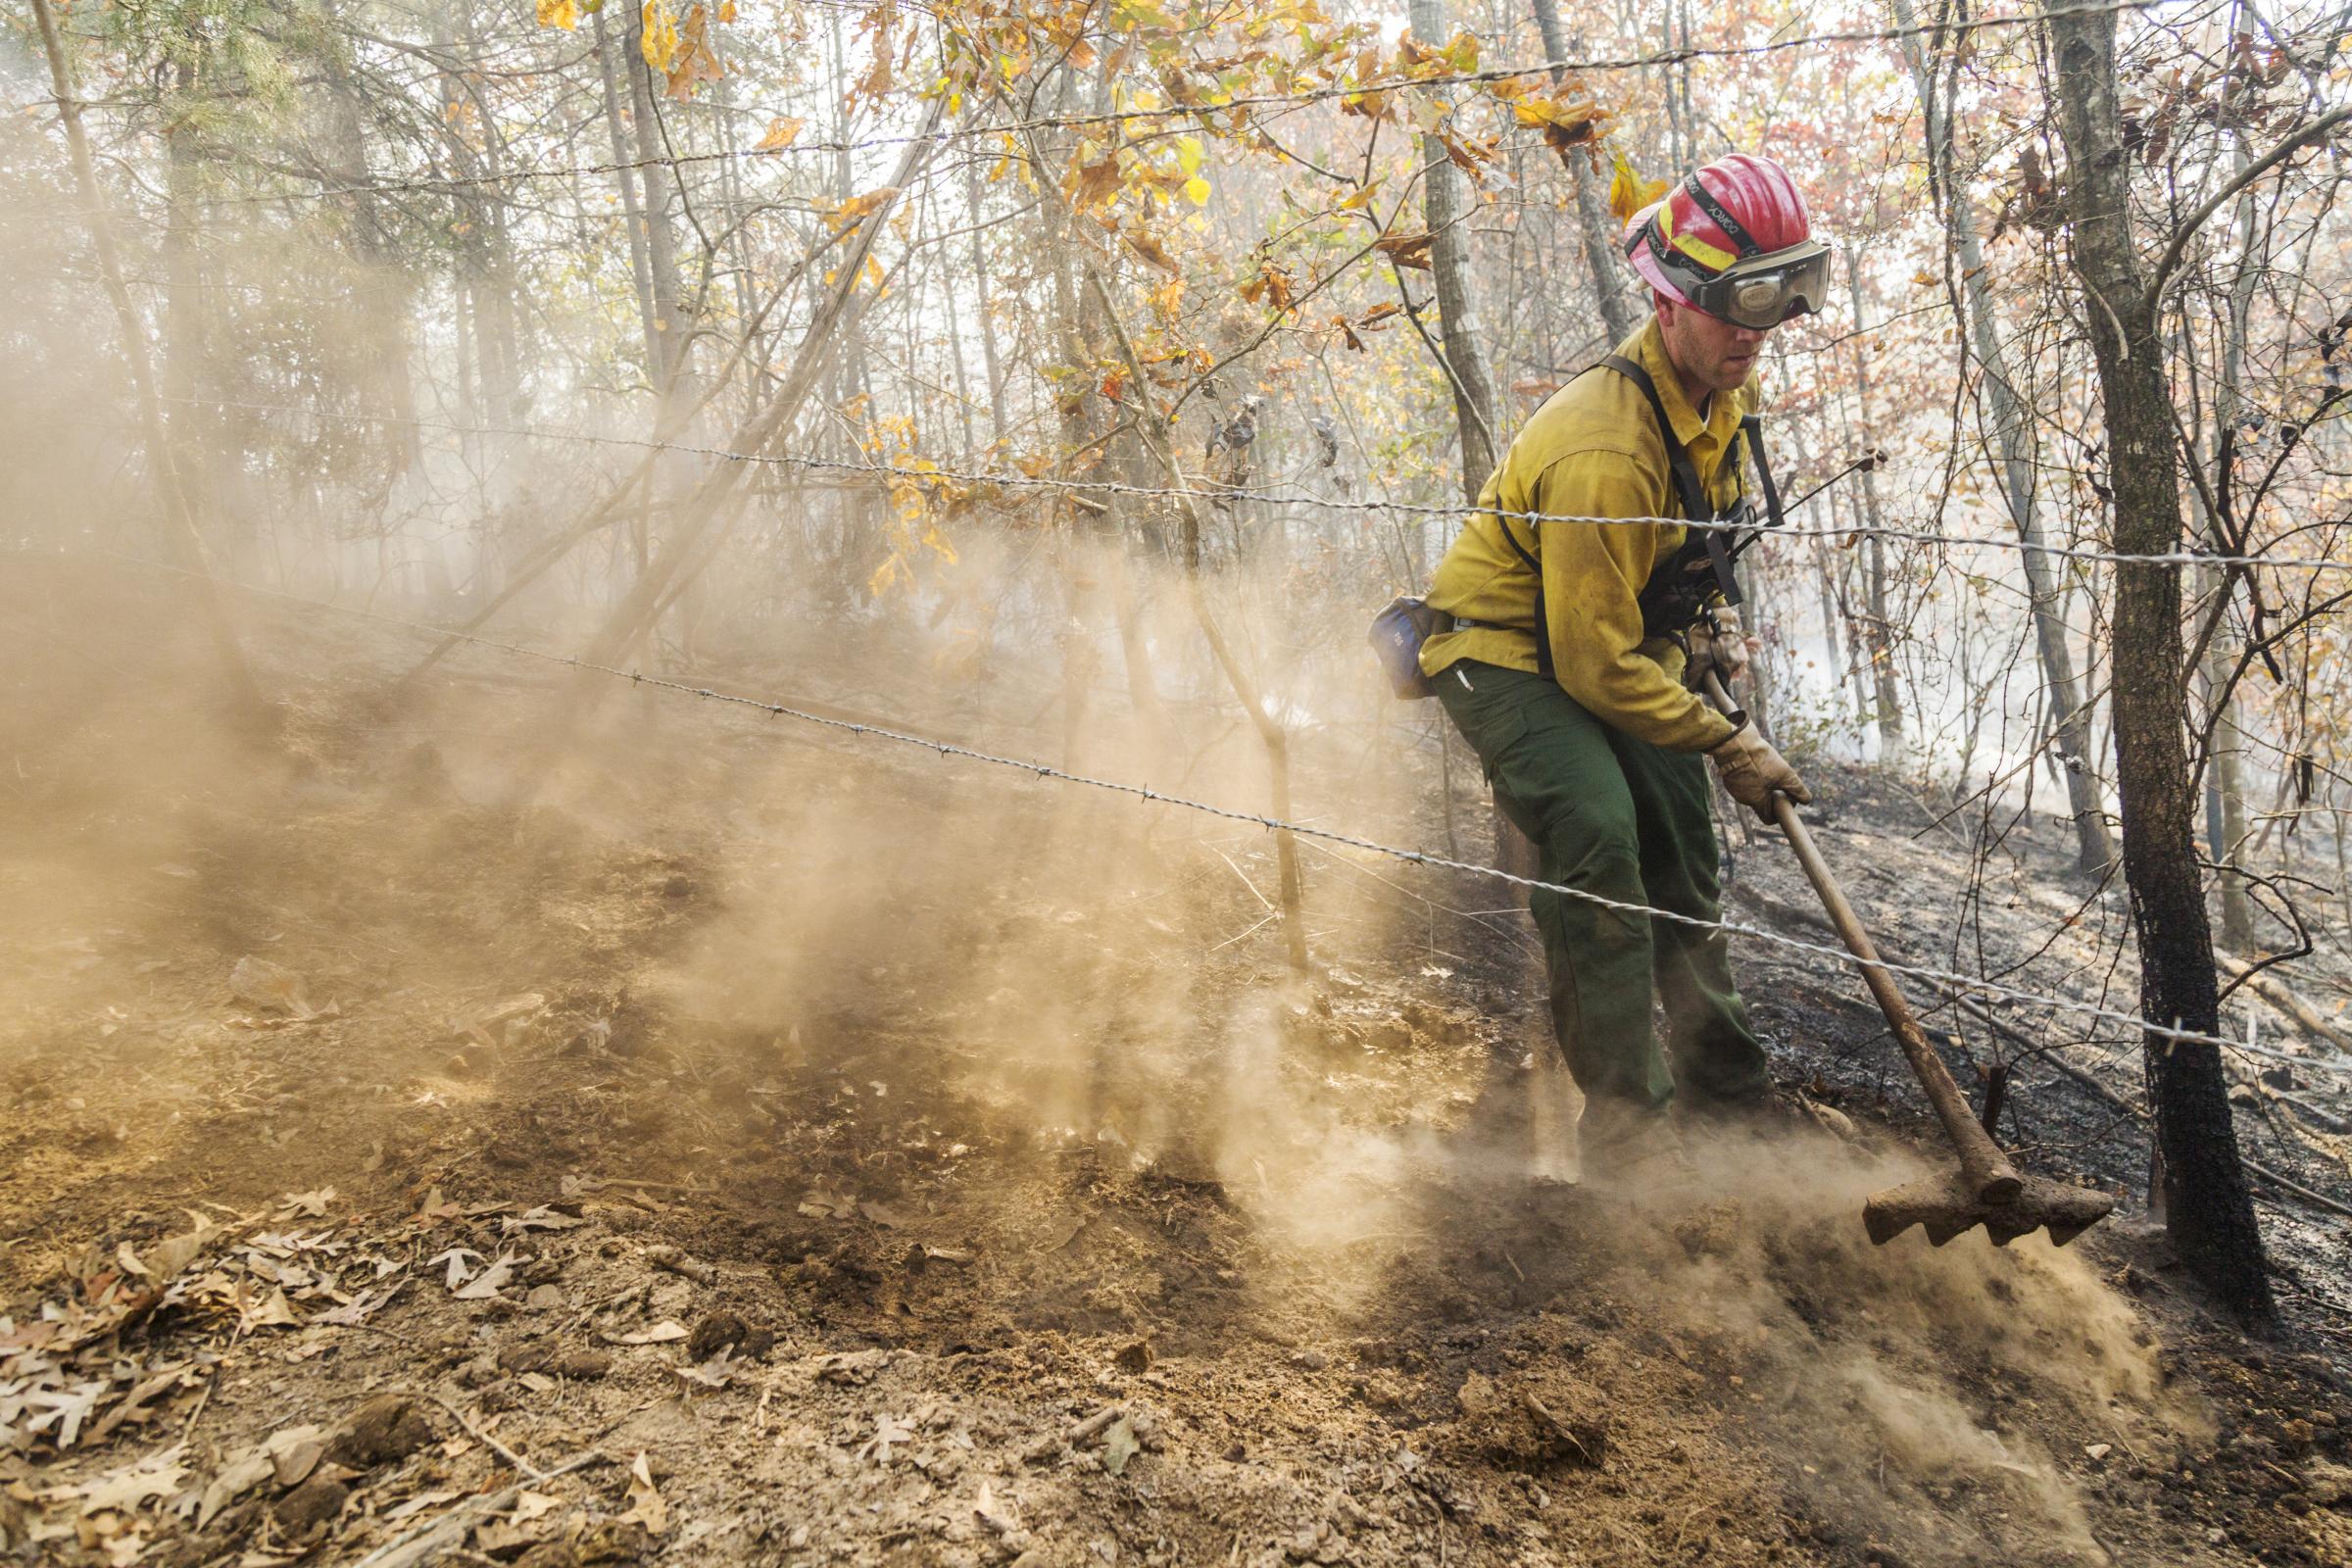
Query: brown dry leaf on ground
646, 1506
663, 1333
130, 1488
492, 1279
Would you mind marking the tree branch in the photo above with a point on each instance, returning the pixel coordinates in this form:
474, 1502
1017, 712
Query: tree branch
2254, 171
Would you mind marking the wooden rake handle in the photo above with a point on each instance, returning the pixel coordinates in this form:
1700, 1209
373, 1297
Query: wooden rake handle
1988, 1170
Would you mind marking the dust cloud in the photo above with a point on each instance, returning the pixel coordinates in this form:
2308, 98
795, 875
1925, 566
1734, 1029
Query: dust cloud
1040, 968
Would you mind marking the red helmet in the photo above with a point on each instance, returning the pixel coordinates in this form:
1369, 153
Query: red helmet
1735, 241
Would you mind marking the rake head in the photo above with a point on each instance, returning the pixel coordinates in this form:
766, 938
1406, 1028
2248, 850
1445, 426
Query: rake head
1949, 1203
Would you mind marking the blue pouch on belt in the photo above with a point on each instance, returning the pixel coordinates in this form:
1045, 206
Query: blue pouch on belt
1397, 633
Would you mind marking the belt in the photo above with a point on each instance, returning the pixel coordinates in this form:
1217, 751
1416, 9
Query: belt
1467, 623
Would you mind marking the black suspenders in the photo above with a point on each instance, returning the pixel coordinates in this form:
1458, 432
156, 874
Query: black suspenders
1544, 664
1700, 567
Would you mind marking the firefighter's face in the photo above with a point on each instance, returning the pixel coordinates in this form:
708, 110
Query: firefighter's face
1716, 354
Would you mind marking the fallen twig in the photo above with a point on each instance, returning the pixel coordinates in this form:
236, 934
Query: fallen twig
202, 1400
485, 1437
1095, 1423
2275, 992
663, 1256
2314, 1200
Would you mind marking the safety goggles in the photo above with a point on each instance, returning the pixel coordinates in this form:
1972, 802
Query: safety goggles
1764, 291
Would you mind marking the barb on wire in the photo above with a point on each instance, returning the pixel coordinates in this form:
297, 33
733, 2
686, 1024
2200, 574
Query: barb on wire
1286, 498
1953, 978
1655, 58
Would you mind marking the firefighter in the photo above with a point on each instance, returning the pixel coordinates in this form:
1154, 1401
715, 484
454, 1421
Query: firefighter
1572, 642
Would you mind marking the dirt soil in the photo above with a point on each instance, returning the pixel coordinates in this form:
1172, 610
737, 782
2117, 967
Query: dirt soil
769, 1146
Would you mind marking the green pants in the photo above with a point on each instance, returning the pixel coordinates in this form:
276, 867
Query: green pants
1628, 820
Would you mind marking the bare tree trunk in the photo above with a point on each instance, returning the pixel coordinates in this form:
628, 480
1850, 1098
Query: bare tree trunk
181, 540
1135, 654
2094, 850
481, 245
712, 499
498, 247
633, 205
183, 312
1593, 229
2225, 783
387, 289
1877, 631
721, 115
1448, 207
955, 331
660, 243
988, 324
544, 555
1077, 348
2223, 763
1152, 429
2208, 1209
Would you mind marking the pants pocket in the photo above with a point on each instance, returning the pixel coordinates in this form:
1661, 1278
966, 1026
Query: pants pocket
1496, 739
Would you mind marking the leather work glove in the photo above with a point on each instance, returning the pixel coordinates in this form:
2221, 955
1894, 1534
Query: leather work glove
1752, 771
1720, 643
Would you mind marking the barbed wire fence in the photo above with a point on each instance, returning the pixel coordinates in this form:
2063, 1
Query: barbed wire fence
895, 732
930, 473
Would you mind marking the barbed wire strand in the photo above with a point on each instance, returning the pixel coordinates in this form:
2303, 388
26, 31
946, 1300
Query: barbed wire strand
1193, 110
1297, 498
1937, 976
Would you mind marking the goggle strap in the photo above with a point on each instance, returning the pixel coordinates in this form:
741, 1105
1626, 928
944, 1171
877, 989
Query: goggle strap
1673, 263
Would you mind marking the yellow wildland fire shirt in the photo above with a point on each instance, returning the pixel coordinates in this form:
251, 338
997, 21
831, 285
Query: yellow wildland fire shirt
1593, 450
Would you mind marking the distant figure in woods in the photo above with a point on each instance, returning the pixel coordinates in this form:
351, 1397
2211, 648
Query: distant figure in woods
1566, 663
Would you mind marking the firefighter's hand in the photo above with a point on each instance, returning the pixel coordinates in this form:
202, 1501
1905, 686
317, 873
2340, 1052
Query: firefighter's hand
1721, 644
1753, 772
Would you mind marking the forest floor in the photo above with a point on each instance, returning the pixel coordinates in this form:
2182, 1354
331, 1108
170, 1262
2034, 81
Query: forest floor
775, 1147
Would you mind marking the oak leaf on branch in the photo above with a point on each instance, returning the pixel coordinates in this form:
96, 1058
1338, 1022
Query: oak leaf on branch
1563, 122
1148, 246
1406, 250
1272, 284
693, 62
1093, 184
658, 35
856, 208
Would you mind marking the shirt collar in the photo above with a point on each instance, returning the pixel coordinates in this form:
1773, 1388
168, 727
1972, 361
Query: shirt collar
1648, 350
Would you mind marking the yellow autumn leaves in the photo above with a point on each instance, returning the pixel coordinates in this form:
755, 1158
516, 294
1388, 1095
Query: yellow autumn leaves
1629, 192
1187, 161
679, 49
